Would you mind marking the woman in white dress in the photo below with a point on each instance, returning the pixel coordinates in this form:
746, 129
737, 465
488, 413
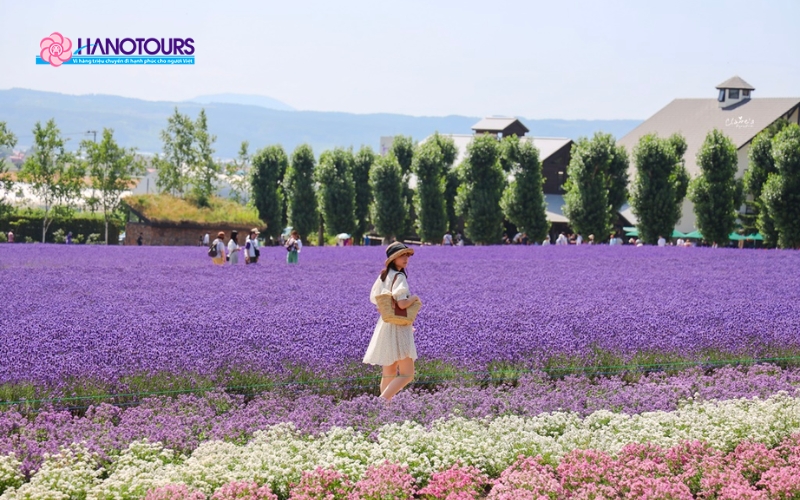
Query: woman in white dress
233, 248
392, 346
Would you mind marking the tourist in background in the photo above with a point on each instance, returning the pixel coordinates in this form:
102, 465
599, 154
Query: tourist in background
68, 241
293, 246
251, 247
140, 240
447, 240
219, 245
10, 236
661, 241
234, 248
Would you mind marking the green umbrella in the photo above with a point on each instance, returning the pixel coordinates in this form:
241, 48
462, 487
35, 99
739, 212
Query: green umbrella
695, 235
755, 236
629, 229
677, 234
736, 237
633, 232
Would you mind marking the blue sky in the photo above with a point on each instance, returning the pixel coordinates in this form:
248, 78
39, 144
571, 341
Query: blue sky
571, 59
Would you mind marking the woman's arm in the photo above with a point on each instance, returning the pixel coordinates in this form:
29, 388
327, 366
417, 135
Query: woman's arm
406, 303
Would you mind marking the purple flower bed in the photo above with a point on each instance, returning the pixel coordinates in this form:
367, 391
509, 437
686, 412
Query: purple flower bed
183, 422
84, 316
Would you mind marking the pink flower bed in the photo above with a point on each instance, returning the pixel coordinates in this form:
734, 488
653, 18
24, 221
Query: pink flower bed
690, 470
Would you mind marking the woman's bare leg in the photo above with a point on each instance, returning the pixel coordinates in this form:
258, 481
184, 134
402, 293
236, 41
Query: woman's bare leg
406, 375
389, 374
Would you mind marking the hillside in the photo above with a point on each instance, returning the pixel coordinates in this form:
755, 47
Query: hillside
138, 123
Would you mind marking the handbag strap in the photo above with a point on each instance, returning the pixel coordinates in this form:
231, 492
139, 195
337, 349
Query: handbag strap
391, 287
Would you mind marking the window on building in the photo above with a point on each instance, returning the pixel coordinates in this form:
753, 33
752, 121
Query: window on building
721, 97
745, 93
733, 93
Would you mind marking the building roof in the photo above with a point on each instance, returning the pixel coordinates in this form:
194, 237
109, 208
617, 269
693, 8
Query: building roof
694, 118
547, 146
735, 83
497, 124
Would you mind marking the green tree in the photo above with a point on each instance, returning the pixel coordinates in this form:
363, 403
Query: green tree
269, 168
761, 165
205, 171
179, 156
111, 169
660, 185
430, 164
361, 166
7, 141
403, 150
523, 199
596, 186
482, 184
781, 193
389, 206
336, 195
714, 192
301, 196
238, 173
451, 182
53, 174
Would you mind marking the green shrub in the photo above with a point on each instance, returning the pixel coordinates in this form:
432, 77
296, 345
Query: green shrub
28, 224
3, 237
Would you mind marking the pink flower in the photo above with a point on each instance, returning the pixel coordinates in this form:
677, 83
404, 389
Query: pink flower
56, 49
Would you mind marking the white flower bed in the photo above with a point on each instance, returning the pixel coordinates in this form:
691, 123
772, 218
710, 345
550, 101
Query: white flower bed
277, 455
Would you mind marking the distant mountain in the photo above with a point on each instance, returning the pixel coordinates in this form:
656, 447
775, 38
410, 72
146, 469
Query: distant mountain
243, 99
138, 123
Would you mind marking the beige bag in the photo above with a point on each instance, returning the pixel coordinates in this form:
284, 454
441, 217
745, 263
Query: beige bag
391, 312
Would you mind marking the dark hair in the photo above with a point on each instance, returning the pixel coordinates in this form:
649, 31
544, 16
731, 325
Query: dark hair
235, 236
391, 265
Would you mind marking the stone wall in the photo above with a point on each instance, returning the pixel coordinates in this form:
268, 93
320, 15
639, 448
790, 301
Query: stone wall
178, 235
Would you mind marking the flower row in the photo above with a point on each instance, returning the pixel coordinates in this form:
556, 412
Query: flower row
151, 319
279, 455
642, 471
182, 423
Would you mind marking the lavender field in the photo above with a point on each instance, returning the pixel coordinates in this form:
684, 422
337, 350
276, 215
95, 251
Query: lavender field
82, 318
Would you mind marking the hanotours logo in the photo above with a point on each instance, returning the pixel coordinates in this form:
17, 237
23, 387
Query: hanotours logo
56, 50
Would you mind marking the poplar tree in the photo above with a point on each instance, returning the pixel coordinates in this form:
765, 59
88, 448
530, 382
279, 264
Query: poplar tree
269, 168
336, 194
301, 195
596, 186
389, 206
523, 200
660, 185
781, 193
362, 163
761, 165
179, 154
713, 192
205, 171
430, 163
403, 150
478, 199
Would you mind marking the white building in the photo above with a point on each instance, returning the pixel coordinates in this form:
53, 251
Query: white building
734, 111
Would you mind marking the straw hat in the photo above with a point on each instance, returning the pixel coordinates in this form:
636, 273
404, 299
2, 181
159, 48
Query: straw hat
395, 250
220, 234
255, 230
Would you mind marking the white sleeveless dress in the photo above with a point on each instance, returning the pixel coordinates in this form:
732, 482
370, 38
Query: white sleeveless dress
390, 343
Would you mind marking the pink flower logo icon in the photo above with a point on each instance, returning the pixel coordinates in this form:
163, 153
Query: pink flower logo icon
56, 49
